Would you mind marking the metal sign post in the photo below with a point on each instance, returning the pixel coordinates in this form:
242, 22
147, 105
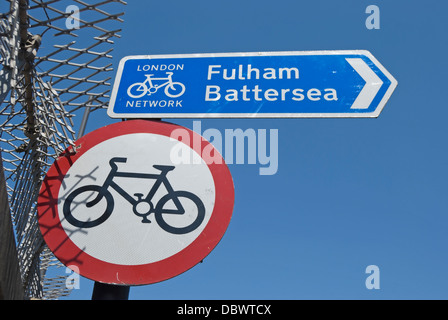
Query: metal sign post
104, 291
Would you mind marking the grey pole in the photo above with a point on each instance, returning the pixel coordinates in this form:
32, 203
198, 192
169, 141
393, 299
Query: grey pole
85, 118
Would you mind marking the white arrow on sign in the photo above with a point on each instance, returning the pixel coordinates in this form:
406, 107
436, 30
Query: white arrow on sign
372, 86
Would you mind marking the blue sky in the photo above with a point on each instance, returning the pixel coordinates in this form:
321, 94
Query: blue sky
348, 193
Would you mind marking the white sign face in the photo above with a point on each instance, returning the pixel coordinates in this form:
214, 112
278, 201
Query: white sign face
123, 208
111, 240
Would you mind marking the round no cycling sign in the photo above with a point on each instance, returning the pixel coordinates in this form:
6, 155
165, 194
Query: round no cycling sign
121, 208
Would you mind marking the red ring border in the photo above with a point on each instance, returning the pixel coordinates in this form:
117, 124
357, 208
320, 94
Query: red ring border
92, 268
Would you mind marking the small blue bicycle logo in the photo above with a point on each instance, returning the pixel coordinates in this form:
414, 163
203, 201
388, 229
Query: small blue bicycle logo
141, 206
172, 89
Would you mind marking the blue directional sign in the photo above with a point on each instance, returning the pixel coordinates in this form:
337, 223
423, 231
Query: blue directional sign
314, 84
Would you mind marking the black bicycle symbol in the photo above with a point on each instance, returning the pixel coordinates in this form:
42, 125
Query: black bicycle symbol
142, 207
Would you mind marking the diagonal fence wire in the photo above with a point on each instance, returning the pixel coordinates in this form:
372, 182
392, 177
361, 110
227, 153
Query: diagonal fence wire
46, 78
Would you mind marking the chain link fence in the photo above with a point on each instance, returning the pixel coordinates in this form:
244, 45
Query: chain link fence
56, 58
